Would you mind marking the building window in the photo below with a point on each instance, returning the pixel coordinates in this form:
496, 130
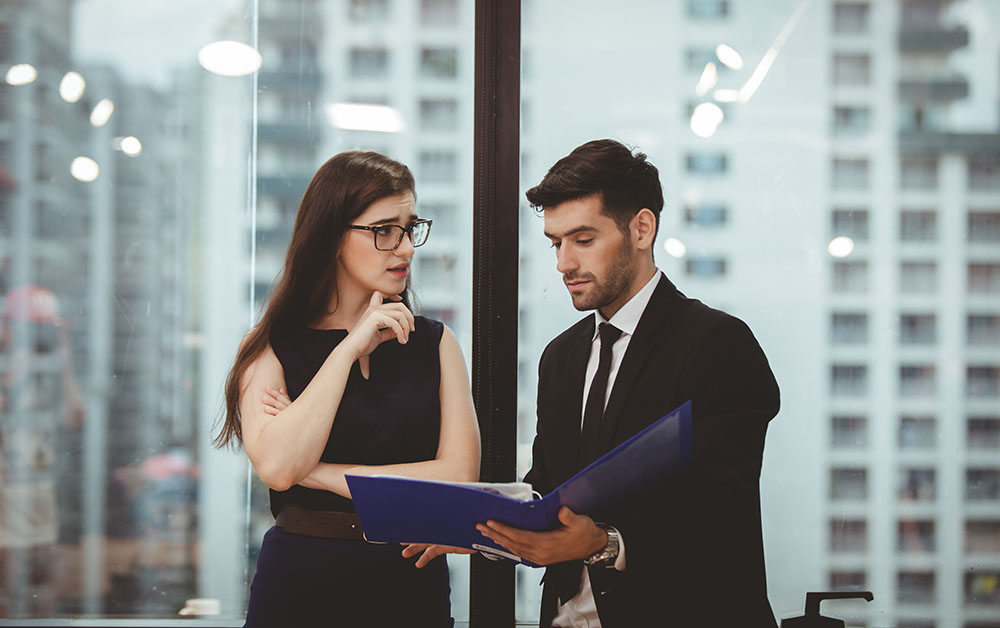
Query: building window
850, 18
443, 214
439, 115
917, 226
5, 43
849, 380
852, 223
849, 328
917, 380
984, 173
983, 381
848, 120
439, 63
982, 588
708, 9
848, 535
705, 215
706, 267
916, 485
918, 277
915, 536
439, 12
840, 580
982, 484
851, 69
849, 432
438, 166
707, 163
983, 227
369, 63
983, 432
850, 174
982, 537
369, 11
982, 329
849, 484
441, 267
850, 277
915, 587
917, 432
918, 173
917, 329
984, 278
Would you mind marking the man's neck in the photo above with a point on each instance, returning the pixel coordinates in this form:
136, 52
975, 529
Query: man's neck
639, 280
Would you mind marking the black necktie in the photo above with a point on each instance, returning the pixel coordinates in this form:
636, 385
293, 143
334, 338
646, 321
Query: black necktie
593, 413
565, 577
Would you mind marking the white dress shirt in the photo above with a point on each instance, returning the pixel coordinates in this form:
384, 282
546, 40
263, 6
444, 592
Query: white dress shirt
581, 610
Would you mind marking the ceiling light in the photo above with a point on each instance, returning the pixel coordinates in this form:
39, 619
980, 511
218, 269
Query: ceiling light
229, 58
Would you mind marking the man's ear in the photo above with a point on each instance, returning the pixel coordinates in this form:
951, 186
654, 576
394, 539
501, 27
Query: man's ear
643, 228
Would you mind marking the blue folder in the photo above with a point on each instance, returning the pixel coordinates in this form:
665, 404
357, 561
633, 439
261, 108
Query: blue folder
405, 510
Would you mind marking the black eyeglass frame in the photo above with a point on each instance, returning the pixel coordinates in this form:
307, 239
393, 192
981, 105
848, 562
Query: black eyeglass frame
407, 230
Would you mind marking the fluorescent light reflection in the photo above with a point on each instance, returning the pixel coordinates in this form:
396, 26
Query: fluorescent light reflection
84, 169
709, 77
674, 247
229, 58
729, 57
21, 74
72, 86
131, 146
841, 246
102, 112
726, 95
706, 118
355, 117
753, 83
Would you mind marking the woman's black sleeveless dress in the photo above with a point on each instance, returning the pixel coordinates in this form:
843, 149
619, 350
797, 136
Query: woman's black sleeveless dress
392, 417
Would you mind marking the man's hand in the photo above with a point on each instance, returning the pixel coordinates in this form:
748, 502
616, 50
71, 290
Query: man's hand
577, 538
430, 552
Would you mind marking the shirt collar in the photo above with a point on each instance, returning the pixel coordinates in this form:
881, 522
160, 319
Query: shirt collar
627, 317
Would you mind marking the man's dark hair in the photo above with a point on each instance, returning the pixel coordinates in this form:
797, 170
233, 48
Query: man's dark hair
625, 181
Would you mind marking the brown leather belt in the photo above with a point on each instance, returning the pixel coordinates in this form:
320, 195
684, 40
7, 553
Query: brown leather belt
325, 524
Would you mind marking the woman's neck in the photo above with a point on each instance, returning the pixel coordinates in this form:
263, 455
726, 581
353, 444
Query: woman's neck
345, 308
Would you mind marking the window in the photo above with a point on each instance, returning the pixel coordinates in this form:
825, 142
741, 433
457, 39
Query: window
849, 484
918, 277
982, 587
439, 115
849, 380
982, 484
983, 226
369, 63
915, 586
918, 173
444, 215
917, 226
916, 536
851, 120
846, 580
849, 432
851, 69
983, 432
917, 485
917, 329
982, 329
983, 381
369, 11
705, 267
850, 535
849, 328
982, 536
437, 166
705, 215
850, 277
917, 432
850, 18
852, 223
984, 278
707, 163
439, 63
439, 12
984, 173
707, 9
439, 267
850, 174
917, 381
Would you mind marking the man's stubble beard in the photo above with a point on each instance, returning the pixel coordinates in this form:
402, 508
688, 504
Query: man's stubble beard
616, 281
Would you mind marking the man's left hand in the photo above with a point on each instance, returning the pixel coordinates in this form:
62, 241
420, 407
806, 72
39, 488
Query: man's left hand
578, 537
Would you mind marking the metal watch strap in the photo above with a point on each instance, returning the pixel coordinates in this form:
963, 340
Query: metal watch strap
605, 557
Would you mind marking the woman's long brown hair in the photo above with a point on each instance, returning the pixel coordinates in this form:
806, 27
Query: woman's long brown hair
339, 192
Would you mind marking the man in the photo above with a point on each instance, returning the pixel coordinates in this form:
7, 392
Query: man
694, 548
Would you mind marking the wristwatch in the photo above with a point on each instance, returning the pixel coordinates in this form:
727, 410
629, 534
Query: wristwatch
606, 557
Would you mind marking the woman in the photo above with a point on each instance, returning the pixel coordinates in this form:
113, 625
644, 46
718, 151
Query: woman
370, 389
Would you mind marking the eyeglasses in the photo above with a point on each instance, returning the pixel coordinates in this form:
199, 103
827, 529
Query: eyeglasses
389, 237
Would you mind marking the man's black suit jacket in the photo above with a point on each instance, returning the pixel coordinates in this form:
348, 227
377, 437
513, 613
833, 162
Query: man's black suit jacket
694, 553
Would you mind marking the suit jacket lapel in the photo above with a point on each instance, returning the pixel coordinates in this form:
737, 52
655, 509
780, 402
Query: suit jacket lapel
567, 428
640, 347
